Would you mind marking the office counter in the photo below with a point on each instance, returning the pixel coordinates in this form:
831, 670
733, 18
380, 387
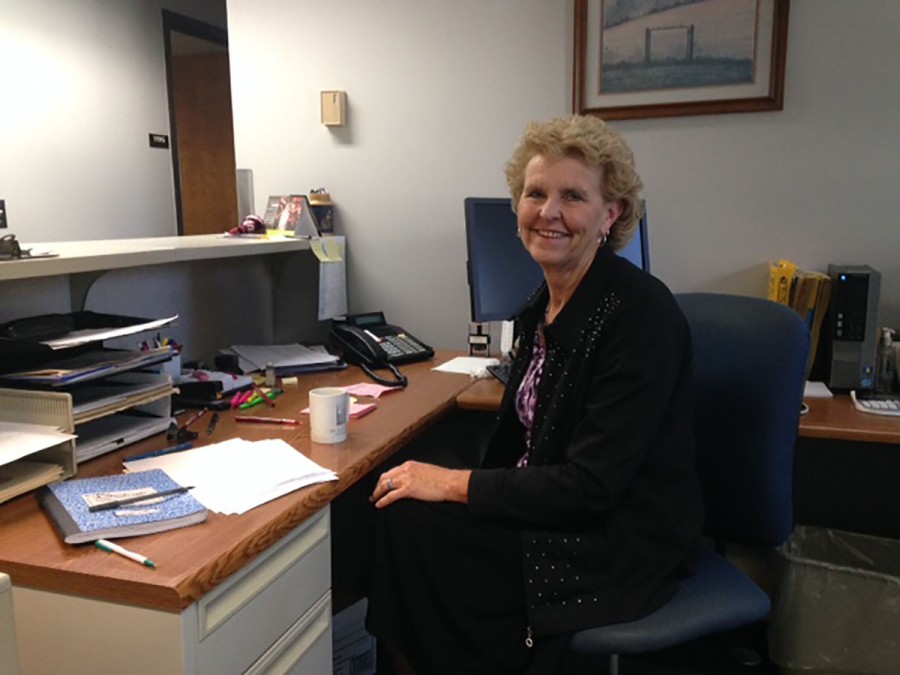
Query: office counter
98, 256
224, 290
219, 585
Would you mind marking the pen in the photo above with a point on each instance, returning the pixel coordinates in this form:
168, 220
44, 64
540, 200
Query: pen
212, 424
194, 419
110, 547
106, 506
265, 397
266, 420
164, 451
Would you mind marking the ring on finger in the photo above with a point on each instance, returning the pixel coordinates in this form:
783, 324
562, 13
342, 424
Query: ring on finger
390, 485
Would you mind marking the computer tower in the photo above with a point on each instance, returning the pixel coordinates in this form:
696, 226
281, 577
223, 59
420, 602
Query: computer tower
852, 329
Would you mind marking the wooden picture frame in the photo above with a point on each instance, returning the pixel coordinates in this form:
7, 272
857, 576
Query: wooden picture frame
698, 57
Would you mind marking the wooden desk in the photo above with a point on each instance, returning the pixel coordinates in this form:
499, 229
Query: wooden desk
159, 619
484, 394
828, 418
845, 469
837, 419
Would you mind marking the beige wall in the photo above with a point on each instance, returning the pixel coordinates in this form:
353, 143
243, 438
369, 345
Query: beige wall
439, 91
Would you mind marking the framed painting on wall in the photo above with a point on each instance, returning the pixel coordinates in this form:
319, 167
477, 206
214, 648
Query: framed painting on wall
660, 58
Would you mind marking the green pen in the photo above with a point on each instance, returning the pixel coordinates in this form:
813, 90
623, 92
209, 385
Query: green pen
110, 547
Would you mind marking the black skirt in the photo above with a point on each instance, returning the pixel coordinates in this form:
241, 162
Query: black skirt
447, 590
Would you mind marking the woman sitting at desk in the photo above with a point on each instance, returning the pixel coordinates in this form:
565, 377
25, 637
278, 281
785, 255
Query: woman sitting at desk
586, 508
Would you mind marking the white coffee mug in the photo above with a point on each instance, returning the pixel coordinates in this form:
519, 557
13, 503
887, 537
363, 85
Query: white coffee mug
329, 409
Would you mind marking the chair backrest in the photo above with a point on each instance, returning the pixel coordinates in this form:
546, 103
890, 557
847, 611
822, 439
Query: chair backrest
750, 360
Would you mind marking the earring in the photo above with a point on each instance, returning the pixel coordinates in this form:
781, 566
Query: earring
602, 239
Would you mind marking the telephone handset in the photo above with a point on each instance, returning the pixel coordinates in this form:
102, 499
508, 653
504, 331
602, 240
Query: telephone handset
370, 342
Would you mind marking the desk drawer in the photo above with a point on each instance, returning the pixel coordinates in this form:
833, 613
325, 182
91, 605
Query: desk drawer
305, 649
243, 618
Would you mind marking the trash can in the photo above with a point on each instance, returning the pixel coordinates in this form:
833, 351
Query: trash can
837, 608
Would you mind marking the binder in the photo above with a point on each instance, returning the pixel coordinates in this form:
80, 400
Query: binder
781, 279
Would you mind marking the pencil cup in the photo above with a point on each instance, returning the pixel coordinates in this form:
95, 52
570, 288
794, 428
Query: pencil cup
329, 409
171, 368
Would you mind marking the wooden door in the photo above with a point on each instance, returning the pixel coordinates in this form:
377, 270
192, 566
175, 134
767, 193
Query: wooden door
205, 142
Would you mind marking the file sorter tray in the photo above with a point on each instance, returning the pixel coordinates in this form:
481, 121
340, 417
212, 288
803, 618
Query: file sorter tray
32, 341
86, 365
117, 393
49, 327
38, 407
112, 432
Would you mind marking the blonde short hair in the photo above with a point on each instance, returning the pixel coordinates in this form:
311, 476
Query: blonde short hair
598, 145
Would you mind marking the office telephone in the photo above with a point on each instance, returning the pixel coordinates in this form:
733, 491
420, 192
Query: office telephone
370, 342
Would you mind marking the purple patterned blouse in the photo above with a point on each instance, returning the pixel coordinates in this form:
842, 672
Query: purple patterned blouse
526, 395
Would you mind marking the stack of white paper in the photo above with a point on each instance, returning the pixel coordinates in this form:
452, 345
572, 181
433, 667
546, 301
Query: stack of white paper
235, 476
476, 366
19, 439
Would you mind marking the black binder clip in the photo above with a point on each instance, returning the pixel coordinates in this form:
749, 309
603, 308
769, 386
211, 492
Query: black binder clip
181, 434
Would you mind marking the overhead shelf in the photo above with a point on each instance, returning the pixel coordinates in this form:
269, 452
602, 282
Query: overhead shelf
97, 256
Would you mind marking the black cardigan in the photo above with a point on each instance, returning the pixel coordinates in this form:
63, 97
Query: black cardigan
610, 505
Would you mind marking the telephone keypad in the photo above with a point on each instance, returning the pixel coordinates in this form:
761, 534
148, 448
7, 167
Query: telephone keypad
395, 345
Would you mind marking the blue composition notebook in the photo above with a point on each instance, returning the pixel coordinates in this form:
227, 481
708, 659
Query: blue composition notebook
68, 505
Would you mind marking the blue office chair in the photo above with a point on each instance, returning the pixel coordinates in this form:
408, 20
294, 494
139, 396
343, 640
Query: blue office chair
749, 372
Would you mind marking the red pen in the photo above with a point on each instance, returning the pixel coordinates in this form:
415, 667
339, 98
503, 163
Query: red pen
265, 398
267, 420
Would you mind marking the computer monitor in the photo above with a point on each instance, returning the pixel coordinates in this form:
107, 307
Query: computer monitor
502, 274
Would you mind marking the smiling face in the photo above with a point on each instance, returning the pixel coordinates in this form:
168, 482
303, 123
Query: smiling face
563, 216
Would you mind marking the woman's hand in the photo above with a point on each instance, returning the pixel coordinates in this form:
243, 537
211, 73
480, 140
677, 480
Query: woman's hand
426, 482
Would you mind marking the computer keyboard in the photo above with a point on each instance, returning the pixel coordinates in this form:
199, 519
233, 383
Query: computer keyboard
500, 371
877, 404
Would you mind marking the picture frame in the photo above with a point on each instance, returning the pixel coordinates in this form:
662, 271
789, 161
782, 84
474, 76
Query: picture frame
695, 57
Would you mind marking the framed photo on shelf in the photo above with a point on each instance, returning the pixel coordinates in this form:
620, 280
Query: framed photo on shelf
291, 213
639, 59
